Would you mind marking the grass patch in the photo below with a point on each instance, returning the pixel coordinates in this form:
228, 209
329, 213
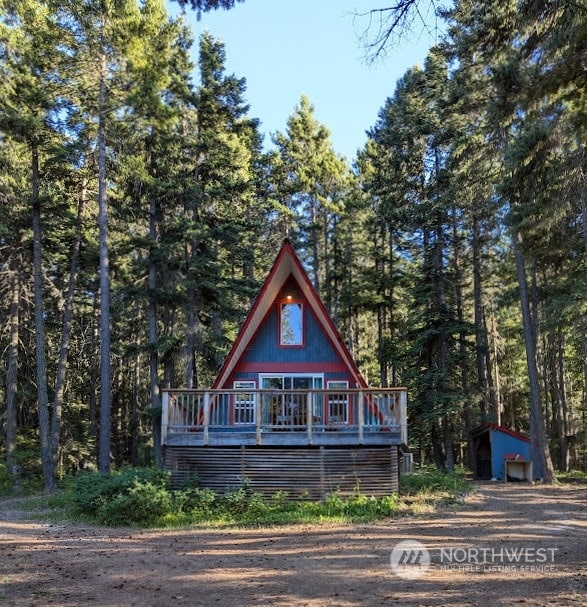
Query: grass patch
430, 488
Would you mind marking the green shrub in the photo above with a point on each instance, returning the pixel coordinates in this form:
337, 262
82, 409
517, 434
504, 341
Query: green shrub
127, 497
201, 503
144, 503
237, 500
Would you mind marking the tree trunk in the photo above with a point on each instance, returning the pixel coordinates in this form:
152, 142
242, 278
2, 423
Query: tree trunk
105, 373
94, 372
154, 390
66, 328
437, 447
135, 406
540, 450
391, 363
467, 410
584, 220
42, 396
328, 286
193, 329
563, 404
481, 346
12, 371
448, 444
494, 368
193, 339
381, 306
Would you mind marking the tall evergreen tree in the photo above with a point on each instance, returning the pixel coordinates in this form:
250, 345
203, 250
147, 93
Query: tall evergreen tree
150, 191
225, 149
314, 176
31, 58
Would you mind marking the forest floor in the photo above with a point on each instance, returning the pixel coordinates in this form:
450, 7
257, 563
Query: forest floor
533, 537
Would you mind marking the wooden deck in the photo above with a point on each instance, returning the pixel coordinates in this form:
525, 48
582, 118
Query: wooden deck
284, 418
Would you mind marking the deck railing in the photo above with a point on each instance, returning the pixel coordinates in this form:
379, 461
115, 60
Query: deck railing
267, 411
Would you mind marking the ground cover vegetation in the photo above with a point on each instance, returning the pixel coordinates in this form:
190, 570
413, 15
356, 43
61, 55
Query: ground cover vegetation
142, 497
138, 206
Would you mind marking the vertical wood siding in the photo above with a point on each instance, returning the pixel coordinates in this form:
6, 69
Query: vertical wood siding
264, 347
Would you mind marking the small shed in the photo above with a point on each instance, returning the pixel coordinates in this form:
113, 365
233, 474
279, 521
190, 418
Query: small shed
502, 454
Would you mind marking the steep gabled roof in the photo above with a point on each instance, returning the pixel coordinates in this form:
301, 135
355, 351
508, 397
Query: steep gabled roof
285, 265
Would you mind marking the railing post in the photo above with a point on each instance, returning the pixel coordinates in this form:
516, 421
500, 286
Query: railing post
361, 416
206, 416
258, 417
403, 412
309, 414
164, 416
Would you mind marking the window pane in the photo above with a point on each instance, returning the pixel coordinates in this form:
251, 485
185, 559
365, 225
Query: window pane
272, 383
291, 325
302, 383
244, 404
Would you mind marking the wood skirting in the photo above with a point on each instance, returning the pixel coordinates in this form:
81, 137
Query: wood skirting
302, 472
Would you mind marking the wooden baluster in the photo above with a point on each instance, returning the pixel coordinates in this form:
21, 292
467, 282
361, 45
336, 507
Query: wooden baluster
258, 417
206, 416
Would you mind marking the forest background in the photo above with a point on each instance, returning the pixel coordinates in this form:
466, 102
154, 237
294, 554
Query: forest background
140, 214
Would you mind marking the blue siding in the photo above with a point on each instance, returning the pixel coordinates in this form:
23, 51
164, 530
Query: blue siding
502, 444
245, 376
264, 346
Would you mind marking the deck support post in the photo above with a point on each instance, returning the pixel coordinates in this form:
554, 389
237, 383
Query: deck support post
164, 416
309, 415
403, 416
322, 474
361, 416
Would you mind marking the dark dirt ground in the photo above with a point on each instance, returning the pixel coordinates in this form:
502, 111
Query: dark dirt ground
72, 565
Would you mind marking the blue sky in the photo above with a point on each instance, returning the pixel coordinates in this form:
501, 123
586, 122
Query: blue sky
286, 48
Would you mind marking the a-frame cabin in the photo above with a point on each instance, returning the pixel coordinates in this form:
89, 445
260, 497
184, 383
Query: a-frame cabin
289, 409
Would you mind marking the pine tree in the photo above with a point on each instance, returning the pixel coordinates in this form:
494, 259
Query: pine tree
149, 195
225, 149
314, 176
31, 61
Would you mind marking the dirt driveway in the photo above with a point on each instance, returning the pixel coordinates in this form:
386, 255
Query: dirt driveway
533, 540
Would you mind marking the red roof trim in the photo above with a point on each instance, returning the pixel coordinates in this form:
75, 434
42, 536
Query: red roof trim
508, 431
265, 300
290, 368
339, 345
249, 317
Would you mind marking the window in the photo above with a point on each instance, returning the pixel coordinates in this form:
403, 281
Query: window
277, 405
291, 324
338, 402
244, 404
291, 381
